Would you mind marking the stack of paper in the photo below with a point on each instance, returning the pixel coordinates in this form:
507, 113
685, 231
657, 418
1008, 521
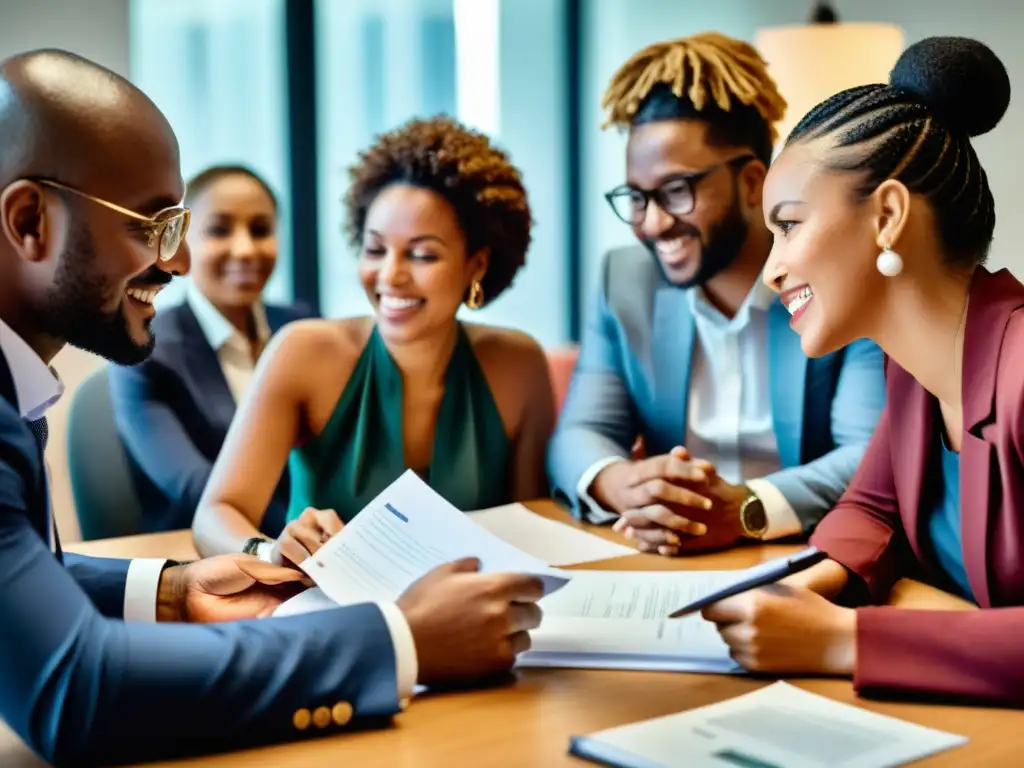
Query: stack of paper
602, 619
617, 620
779, 726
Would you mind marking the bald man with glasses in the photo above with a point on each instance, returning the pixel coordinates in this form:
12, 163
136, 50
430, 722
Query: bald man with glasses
106, 661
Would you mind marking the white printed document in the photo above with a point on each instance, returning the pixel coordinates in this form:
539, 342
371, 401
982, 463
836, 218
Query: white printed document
549, 540
617, 620
779, 726
408, 530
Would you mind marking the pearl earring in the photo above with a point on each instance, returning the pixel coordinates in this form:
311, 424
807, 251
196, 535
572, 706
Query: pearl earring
889, 263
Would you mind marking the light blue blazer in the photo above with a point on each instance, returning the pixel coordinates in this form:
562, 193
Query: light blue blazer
633, 374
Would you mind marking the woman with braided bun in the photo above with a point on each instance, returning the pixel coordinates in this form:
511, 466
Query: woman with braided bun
883, 219
441, 219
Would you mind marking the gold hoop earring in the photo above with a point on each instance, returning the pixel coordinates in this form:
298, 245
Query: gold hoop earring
476, 295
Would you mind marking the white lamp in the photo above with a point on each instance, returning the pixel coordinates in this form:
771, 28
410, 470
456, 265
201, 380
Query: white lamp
810, 62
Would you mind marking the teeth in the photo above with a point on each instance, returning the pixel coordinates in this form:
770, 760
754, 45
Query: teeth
398, 302
670, 247
146, 297
799, 300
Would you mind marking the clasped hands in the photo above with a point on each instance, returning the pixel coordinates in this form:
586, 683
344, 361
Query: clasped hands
672, 503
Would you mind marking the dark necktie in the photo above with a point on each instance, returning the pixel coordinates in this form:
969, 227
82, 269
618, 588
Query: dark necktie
40, 431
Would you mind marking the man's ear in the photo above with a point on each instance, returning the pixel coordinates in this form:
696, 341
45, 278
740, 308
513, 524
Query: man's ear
24, 219
752, 178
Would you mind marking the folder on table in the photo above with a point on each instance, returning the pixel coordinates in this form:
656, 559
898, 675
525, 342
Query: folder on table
779, 726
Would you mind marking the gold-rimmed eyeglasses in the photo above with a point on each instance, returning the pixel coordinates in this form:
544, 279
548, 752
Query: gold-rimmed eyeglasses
165, 229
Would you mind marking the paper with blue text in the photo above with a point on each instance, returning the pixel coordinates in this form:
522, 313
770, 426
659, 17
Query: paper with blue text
407, 531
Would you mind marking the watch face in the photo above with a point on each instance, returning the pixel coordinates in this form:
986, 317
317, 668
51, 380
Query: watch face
754, 518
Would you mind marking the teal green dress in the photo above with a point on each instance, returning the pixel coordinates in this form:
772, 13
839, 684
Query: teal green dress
360, 450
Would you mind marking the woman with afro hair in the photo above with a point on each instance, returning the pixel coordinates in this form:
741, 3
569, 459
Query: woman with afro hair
441, 219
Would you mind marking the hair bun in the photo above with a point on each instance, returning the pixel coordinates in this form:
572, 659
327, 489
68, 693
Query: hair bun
961, 80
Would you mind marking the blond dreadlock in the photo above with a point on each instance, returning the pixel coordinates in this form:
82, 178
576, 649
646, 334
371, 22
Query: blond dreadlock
705, 65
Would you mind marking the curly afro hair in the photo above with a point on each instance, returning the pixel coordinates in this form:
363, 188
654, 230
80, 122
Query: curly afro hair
461, 165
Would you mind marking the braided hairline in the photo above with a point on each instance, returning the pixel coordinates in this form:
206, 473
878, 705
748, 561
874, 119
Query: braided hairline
891, 135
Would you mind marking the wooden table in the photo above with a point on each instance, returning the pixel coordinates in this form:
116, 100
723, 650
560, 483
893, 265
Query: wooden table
529, 723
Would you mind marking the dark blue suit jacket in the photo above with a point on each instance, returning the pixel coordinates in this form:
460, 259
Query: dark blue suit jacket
82, 687
173, 412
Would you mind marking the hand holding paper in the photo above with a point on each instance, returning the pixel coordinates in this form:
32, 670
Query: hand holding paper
405, 532
469, 598
626, 619
467, 625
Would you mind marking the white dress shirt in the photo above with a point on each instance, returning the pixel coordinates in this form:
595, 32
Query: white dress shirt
37, 388
235, 356
233, 349
729, 413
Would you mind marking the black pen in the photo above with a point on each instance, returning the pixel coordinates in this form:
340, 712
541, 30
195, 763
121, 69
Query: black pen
762, 575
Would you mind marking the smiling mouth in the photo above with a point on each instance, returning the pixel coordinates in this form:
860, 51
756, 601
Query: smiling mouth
144, 296
397, 304
799, 300
673, 251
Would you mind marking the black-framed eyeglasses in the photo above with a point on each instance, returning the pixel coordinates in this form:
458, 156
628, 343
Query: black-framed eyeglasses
165, 229
676, 195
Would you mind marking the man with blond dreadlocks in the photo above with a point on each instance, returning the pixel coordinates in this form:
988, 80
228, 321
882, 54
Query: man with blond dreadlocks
744, 436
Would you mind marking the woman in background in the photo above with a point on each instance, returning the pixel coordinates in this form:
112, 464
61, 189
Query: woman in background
441, 219
174, 409
883, 218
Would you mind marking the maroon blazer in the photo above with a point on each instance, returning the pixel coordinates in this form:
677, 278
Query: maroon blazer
877, 527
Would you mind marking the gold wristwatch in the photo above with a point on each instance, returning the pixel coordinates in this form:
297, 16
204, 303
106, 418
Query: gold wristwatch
753, 518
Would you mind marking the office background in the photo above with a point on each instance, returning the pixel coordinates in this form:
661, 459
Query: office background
296, 88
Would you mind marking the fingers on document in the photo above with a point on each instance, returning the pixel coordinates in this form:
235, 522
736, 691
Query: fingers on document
519, 643
292, 550
329, 522
308, 538
522, 617
269, 573
518, 587
732, 610
462, 565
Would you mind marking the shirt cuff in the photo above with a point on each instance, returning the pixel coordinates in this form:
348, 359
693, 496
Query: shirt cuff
406, 662
782, 519
592, 511
140, 588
